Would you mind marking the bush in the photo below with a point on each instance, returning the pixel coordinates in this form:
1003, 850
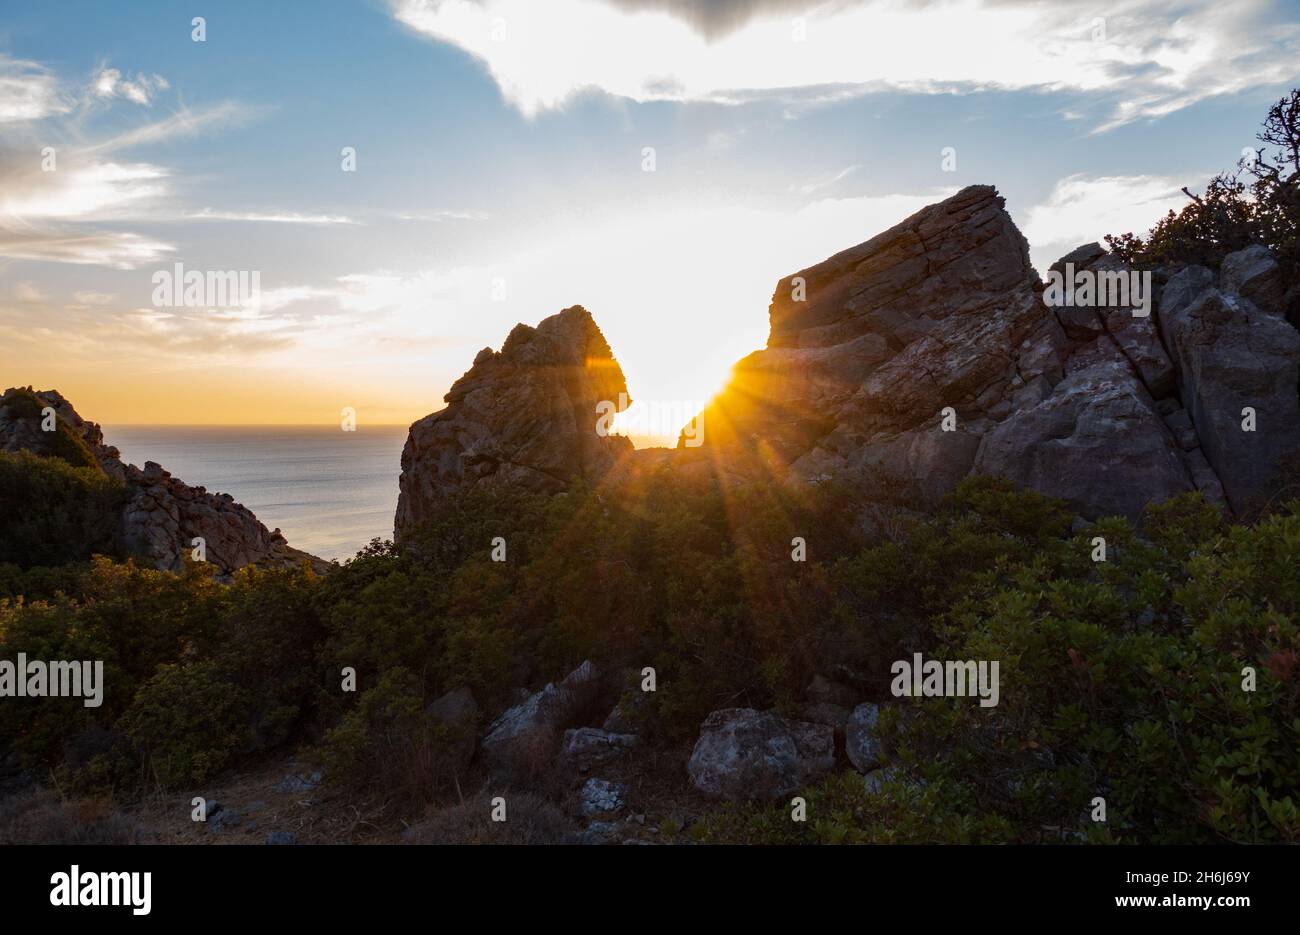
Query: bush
1234, 213
52, 513
389, 741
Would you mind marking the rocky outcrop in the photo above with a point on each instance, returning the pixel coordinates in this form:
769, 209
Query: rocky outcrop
918, 358
1237, 364
867, 348
524, 740
525, 415
748, 755
930, 352
163, 515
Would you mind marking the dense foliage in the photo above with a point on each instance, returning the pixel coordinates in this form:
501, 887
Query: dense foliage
54, 513
1121, 679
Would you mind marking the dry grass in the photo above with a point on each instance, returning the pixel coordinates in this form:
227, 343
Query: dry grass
41, 816
530, 819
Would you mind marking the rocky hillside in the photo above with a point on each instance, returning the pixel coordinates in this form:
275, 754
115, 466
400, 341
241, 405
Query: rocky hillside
162, 514
917, 358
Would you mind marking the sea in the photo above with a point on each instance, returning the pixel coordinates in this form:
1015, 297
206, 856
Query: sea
329, 491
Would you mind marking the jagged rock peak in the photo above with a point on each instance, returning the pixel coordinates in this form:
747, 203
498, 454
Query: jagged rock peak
525, 415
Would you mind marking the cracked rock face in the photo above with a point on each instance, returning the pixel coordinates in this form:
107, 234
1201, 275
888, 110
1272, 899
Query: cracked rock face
1099, 404
525, 415
1235, 359
915, 359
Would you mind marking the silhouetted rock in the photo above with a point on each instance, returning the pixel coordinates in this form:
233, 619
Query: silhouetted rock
525, 416
915, 359
1107, 405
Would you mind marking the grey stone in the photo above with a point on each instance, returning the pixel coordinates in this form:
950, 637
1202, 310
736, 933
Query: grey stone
523, 741
863, 747
1253, 274
586, 747
1232, 355
744, 755
602, 797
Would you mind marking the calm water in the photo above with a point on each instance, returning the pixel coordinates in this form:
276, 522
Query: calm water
329, 491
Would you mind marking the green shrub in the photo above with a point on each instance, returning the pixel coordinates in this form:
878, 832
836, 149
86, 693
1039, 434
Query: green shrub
52, 513
1234, 213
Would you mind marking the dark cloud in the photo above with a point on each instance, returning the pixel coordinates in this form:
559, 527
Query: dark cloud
716, 18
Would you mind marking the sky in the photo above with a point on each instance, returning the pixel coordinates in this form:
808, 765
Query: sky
410, 179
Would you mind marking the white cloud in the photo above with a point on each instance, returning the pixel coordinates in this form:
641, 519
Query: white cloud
116, 249
108, 83
271, 300
184, 122
48, 215
84, 192
284, 217
1083, 209
104, 84
442, 214
28, 91
1156, 56
826, 182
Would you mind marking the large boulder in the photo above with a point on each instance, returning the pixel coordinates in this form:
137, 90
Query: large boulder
1235, 357
861, 742
525, 416
747, 755
456, 716
931, 352
869, 347
524, 740
1255, 275
1097, 441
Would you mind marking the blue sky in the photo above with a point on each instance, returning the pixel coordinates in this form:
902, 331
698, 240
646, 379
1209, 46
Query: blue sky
499, 147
